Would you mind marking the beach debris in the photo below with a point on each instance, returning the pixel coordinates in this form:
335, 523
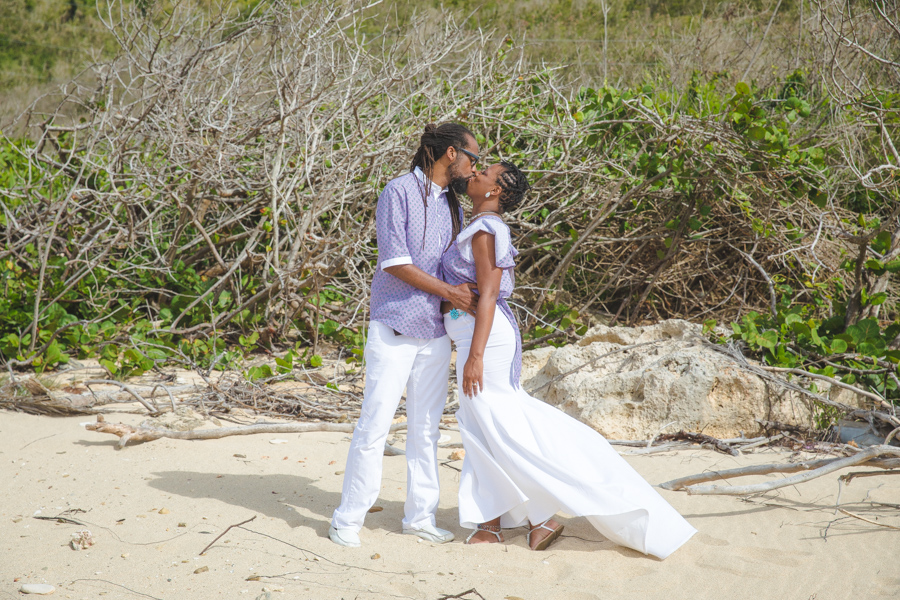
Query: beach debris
458, 454
376, 509
148, 433
390, 450
81, 540
181, 419
278, 441
884, 457
272, 588
240, 456
376, 556
163, 511
41, 589
202, 552
199, 570
338, 472
182, 524
461, 595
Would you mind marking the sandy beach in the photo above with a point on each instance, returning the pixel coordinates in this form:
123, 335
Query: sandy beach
153, 507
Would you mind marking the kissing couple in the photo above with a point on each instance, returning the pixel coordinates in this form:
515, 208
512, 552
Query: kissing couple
441, 277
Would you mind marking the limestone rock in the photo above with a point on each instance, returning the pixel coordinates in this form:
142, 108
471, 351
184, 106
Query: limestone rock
675, 383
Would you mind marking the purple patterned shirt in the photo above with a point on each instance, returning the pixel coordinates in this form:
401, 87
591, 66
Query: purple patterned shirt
458, 265
410, 231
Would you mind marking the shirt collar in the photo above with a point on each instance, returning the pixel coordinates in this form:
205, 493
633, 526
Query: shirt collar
435, 190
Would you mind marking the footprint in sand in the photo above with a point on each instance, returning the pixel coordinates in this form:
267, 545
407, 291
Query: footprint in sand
709, 540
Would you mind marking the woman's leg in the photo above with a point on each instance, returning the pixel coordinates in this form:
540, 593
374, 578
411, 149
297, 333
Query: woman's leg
539, 535
487, 533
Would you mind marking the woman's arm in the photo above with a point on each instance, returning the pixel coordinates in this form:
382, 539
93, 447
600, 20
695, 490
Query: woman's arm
487, 274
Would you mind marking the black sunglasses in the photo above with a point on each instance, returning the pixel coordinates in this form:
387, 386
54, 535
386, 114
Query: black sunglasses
473, 157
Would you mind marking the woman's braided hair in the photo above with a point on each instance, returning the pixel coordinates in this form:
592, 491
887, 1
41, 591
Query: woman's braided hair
433, 145
514, 185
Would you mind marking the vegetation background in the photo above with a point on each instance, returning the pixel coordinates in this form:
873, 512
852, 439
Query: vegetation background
193, 180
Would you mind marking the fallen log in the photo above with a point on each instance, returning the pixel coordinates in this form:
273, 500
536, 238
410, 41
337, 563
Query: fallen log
143, 433
876, 456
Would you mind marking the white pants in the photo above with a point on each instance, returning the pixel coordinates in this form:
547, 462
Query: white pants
392, 363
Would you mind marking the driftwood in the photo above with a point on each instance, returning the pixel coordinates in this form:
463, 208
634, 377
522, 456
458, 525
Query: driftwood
142, 433
698, 438
30, 395
876, 456
778, 426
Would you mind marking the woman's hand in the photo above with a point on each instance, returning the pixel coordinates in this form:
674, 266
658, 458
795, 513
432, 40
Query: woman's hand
473, 376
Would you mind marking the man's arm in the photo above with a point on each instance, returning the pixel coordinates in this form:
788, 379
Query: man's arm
460, 296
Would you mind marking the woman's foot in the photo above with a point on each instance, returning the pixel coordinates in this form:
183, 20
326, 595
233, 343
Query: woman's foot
486, 533
540, 536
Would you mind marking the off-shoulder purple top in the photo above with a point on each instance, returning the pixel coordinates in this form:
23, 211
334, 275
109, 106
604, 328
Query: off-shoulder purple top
458, 266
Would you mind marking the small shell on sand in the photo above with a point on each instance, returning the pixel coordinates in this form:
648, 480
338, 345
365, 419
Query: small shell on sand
37, 588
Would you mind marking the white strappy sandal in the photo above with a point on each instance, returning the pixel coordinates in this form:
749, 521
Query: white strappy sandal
544, 543
489, 529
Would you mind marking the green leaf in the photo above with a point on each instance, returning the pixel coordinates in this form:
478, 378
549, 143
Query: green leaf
818, 198
879, 298
259, 372
872, 347
874, 264
814, 334
768, 339
838, 346
315, 361
867, 328
285, 365
756, 133
742, 88
882, 242
792, 318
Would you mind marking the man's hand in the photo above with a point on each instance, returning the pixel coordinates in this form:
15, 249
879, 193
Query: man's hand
463, 298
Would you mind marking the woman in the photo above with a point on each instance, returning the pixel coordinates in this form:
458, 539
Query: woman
525, 460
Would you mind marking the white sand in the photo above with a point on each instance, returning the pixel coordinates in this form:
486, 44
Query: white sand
771, 547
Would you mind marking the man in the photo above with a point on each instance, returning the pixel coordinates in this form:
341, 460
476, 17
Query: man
418, 216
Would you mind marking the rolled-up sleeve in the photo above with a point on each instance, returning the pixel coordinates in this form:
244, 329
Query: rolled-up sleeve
390, 227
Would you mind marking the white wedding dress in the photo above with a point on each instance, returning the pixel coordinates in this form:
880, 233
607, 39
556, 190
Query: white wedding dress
526, 460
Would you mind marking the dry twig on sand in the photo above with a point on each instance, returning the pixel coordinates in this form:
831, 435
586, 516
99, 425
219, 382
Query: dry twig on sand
229, 528
855, 516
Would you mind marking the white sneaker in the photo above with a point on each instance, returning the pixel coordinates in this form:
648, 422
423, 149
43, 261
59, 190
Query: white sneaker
344, 537
430, 533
